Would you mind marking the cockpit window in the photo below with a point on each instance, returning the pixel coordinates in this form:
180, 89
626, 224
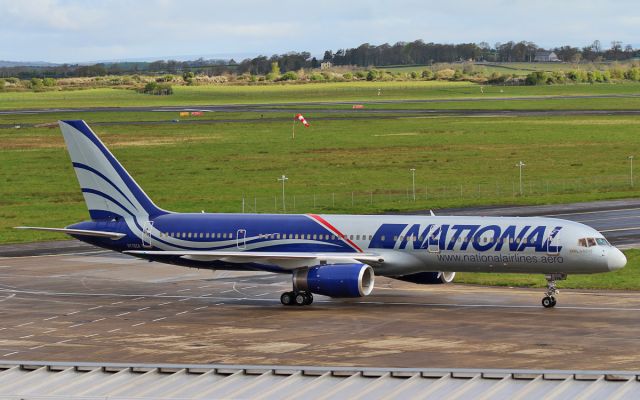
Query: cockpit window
582, 242
602, 242
591, 242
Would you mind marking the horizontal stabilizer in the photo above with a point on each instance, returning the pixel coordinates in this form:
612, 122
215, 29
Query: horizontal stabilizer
249, 256
78, 232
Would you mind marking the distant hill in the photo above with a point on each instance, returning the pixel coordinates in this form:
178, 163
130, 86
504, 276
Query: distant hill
26, 64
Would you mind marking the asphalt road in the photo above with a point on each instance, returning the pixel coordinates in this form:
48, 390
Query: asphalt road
104, 307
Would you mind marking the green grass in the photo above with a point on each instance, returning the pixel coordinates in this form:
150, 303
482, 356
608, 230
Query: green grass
627, 278
190, 167
312, 92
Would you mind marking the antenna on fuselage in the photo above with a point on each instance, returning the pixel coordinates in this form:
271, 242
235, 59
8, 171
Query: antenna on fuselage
432, 214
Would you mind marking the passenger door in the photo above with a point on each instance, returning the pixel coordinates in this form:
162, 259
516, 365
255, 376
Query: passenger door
241, 239
146, 234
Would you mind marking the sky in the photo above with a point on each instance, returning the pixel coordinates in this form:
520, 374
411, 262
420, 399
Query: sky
92, 30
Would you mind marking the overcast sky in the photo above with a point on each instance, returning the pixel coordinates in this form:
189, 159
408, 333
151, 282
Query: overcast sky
77, 31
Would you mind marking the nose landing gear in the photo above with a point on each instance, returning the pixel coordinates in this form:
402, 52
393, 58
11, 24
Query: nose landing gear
549, 299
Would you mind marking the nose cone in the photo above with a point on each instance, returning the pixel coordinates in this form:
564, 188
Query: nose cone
616, 259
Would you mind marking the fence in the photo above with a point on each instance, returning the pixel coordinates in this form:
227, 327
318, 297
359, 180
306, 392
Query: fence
425, 194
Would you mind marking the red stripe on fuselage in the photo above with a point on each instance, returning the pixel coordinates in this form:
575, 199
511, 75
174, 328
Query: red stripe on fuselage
333, 229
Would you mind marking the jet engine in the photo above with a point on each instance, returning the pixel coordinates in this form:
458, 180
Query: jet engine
428, 278
335, 280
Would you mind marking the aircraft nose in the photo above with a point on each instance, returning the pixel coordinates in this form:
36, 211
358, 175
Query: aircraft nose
616, 259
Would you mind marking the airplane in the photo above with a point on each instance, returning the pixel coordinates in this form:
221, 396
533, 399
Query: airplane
330, 255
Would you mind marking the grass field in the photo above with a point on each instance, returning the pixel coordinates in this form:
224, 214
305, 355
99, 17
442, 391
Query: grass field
313, 92
340, 165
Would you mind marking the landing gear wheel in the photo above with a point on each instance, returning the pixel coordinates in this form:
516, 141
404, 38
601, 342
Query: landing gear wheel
301, 299
548, 302
286, 298
309, 298
549, 299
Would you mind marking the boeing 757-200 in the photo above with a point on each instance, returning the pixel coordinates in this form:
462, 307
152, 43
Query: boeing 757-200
330, 255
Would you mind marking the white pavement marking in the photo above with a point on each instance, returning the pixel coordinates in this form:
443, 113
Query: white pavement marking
37, 347
26, 337
200, 308
164, 304
98, 320
50, 330
114, 330
199, 287
10, 354
50, 318
182, 312
92, 335
8, 297
143, 308
63, 341
138, 298
1, 329
183, 290
124, 313
219, 304
159, 319
262, 294
117, 302
73, 326
621, 229
227, 291
185, 299
71, 313
25, 324
160, 294
94, 308
138, 324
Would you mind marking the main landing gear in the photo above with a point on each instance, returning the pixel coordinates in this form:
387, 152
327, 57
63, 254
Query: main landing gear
549, 299
296, 298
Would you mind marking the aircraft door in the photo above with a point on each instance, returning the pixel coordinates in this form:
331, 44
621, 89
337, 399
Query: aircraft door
241, 239
146, 234
432, 245
553, 242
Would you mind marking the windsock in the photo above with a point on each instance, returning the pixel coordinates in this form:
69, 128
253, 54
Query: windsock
300, 118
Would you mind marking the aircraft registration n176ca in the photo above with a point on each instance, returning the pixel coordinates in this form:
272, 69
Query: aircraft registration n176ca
330, 255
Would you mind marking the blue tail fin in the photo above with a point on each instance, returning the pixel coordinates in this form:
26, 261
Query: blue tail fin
108, 189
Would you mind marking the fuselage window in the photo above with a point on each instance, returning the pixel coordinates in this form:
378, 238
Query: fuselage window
189, 235
308, 236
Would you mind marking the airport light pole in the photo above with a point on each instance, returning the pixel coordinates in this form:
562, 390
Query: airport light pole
520, 164
413, 180
284, 204
631, 169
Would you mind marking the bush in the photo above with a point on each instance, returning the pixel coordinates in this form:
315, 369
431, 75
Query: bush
289, 76
348, 76
158, 89
457, 75
188, 77
497, 78
633, 74
316, 77
427, 74
361, 75
536, 78
271, 76
1, 84
12, 80
49, 82
372, 75
444, 74
36, 83
166, 78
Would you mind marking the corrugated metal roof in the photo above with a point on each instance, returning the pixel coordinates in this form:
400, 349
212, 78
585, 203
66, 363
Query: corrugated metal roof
59, 380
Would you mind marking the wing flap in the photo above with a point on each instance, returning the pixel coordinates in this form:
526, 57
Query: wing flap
78, 232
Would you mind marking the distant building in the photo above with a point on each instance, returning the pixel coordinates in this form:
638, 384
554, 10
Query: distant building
325, 65
546, 56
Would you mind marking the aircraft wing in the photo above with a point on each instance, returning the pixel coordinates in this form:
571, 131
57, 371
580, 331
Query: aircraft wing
283, 259
79, 232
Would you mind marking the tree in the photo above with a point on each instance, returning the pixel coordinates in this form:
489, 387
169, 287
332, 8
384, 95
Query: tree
188, 76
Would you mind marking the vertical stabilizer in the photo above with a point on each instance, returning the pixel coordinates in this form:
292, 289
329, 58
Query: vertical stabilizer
107, 187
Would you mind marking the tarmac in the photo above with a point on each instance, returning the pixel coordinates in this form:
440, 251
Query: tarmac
77, 303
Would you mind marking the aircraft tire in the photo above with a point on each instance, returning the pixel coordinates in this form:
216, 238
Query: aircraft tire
286, 298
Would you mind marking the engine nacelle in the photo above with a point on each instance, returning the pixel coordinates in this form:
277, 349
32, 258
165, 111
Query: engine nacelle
428, 278
336, 280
